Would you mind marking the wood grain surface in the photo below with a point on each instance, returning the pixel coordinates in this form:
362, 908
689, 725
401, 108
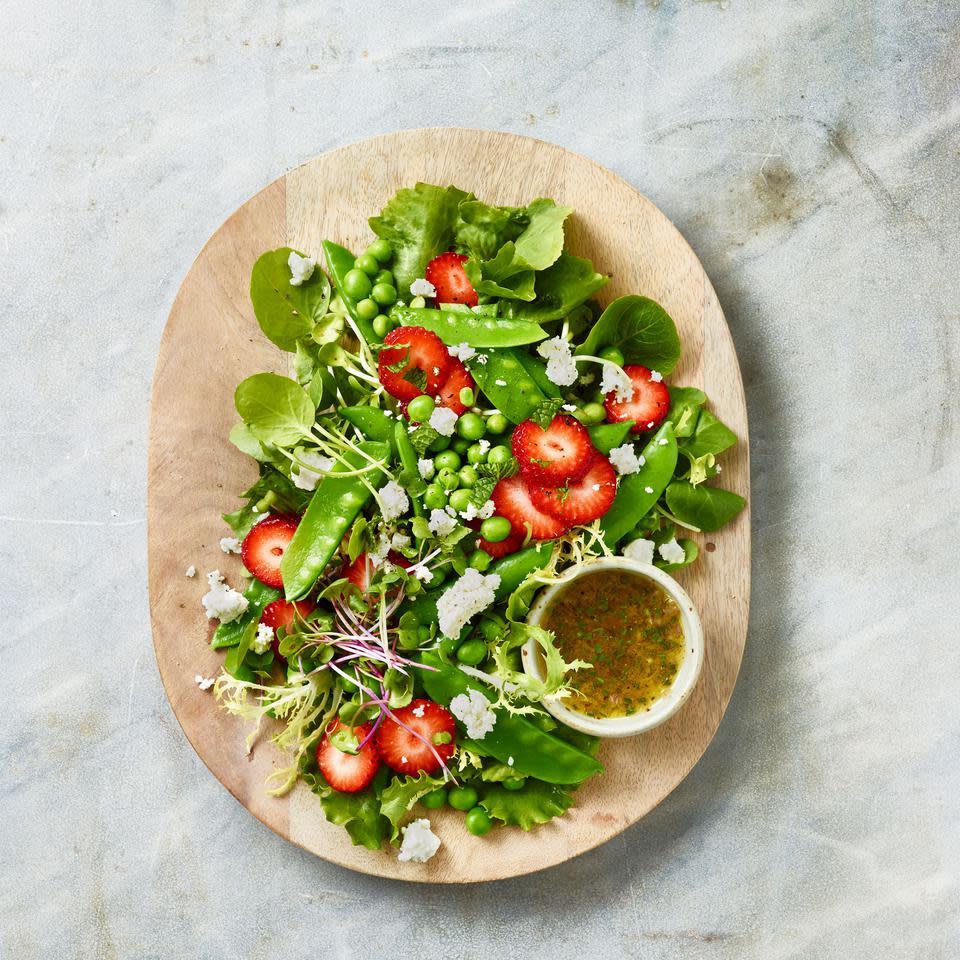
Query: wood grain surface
212, 341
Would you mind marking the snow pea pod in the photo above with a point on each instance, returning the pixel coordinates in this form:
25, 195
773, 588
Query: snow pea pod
514, 740
334, 506
408, 457
516, 567
507, 384
340, 261
638, 492
259, 595
372, 422
456, 326
606, 436
538, 373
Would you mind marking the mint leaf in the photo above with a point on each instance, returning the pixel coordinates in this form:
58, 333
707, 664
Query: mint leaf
423, 437
489, 475
545, 411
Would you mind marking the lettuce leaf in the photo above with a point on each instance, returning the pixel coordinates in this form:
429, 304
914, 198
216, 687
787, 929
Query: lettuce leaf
481, 229
358, 813
402, 794
555, 668
560, 289
536, 802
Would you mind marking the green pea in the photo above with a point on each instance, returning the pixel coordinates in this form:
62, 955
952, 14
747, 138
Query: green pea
495, 529
480, 560
471, 426
497, 423
475, 454
439, 445
472, 652
418, 303
380, 250
468, 476
514, 783
384, 276
478, 821
460, 500
491, 628
448, 480
462, 798
435, 799
420, 409
448, 646
382, 324
467, 396
423, 633
612, 354
434, 497
438, 576
595, 413
384, 294
356, 284
499, 454
367, 264
367, 310
449, 459
460, 445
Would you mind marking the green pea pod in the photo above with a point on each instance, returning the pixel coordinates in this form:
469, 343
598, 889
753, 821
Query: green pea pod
259, 595
638, 492
408, 458
530, 751
455, 326
372, 422
507, 384
340, 261
516, 567
606, 436
335, 505
538, 373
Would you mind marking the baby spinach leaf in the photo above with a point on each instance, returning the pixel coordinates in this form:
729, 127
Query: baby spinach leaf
243, 439
685, 404
274, 491
402, 794
535, 802
709, 436
277, 410
518, 286
641, 329
560, 289
286, 313
703, 507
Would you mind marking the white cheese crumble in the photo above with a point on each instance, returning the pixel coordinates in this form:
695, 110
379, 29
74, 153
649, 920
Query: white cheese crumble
648, 489
467, 597
222, 602
473, 710
191, 571
639, 550
624, 458
399, 541
672, 552
441, 523
444, 421
569, 407
394, 501
656, 376
663, 441
301, 268
482, 359
462, 351
419, 710
261, 642
419, 844
421, 572
484, 445
561, 368
204, 683
426, 469
423, 288
230, 544
500, 383
484, 513
304, 478
614, 379
379, 553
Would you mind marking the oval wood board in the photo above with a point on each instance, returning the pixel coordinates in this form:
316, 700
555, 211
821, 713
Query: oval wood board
212, 341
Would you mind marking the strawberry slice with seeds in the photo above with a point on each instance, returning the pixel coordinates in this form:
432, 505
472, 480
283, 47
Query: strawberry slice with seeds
511, 498
583, 500
347, 772
449, 393
648, 406
551, 457
359, 573
409, 743
283, 613
447, 274
414, 361
263, 548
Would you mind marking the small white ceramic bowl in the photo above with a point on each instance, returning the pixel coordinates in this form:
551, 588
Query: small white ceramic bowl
681, 688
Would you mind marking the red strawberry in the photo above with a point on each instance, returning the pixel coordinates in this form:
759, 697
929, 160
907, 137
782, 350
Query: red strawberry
578, 501
359, 573
502, 548
512, 500
263, 548
648, 405
416, 349
449, 393
348, 773
283, 613
552, 456
446, 273
403, 751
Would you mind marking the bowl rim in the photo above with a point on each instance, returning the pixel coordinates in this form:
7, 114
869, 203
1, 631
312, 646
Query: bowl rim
684, 682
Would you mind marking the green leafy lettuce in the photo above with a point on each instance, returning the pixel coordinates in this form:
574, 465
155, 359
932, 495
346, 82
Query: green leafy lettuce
534, 803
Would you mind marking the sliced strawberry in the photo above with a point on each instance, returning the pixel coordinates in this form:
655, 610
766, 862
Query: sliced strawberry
583, 500
263, 548
346, 772
552, 456
449, 392
399, 559
502, 548
512, 500
359, 573
283, 613
419, 360
404, 751
446, 273
648, 406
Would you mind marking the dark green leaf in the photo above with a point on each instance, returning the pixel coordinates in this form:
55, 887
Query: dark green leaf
703, 507
545, 411
641, 329
277, 409
423, 437
560, 289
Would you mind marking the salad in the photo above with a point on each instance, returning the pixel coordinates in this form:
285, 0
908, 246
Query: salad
462, 423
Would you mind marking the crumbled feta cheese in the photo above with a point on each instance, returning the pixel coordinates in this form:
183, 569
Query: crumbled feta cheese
306, 479
394, 501
595, 488
663, 441
482, 359
222, 602
639, 550
473, 710
650, 425
388, 413
418, 710
561, 368
263, 516
483, 513
467, 597
462, 351
500, 383
719, 468
301, 268
419, 843
261, 642
624, 458
399, 541
444, 421
421, 572
648, 489
441, 523
423, 288
509, 761
641, 459
191, 571
656, 376
426, 469
484, 445
672, 552
378, 554
230, 544
204, 683
569, 407
615, 379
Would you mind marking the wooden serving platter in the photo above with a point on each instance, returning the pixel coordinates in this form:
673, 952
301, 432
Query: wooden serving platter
212, 341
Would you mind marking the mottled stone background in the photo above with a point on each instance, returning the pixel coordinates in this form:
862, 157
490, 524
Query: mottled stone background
809, 152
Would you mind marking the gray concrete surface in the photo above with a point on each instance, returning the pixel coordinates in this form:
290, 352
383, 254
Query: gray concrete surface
809, 152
